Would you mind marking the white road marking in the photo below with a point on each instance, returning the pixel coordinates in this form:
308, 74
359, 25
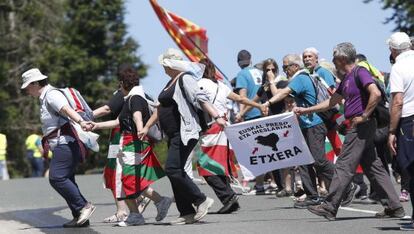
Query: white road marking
358, 210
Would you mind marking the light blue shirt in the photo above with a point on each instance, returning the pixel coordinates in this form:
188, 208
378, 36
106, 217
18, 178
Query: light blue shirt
305, 96
326, 75
250, 79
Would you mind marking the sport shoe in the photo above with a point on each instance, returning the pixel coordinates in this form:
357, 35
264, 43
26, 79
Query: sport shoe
367, 200
404, 196
307, 202
350, 194
391, 213
186, 219
284, 193
85, 213
143, 203
162, 208
202, 209
257, 190
133, 219
299, 193
321, 211
235, 207
226, 209
407, 227
73, 224
115, 218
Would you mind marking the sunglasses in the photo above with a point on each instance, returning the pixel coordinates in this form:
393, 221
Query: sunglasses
273, 70
286, 66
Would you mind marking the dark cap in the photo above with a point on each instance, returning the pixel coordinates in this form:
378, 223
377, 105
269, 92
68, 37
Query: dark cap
243, 58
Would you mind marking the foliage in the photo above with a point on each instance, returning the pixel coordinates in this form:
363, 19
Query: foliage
77, 43
403, 14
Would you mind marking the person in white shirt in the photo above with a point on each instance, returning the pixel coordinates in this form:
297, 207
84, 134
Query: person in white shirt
401, 134
215, 157
60, 136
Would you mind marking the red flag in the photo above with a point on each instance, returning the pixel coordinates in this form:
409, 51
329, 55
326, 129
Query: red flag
189, 37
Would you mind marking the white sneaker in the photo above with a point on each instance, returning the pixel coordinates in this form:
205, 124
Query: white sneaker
162, 208
202, 209
86, 213
133, 219
186, 219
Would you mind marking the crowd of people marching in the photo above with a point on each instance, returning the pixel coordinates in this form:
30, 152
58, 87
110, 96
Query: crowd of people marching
339, 101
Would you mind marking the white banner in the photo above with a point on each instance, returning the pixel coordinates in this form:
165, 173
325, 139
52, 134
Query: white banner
269, 143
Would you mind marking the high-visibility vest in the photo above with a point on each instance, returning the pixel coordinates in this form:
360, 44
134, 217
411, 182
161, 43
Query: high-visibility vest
373, 70
32, 143
3, 147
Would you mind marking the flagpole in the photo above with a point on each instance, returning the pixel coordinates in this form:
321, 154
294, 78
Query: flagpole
205, 55
194, 44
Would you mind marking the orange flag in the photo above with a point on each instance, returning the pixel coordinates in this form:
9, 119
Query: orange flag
189, 37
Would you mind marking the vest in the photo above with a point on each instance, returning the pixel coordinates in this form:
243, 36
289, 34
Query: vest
32, 146
373, 70
3, 147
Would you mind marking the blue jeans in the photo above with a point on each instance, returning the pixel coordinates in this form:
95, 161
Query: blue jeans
405, 151
4, 174
36, 163
62, 175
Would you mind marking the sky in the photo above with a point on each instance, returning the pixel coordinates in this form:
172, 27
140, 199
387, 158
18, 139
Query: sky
266, 28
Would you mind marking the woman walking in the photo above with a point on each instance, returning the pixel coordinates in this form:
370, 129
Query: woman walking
179, 101
140, 167
60, 136
215, 157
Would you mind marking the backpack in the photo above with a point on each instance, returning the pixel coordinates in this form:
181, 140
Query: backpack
78, 103
201, 116
380, 113
322, 94
154, 132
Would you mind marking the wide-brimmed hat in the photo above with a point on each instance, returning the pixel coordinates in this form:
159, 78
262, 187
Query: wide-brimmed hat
170, 53
399, 41
30, 76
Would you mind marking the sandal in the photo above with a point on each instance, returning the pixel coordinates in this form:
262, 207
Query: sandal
142, 205
115, 218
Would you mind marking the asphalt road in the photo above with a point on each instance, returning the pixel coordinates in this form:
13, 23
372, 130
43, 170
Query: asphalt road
32, 206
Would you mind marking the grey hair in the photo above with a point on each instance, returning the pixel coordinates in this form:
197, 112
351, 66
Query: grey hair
312, 50
294, 59
345, 50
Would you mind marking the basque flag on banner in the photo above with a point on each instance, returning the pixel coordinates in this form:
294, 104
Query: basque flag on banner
269, 143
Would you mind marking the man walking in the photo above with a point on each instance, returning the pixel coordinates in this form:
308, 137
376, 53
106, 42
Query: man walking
401, 133
358, 147
313, 128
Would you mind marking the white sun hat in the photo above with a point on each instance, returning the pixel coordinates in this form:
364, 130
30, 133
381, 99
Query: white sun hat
30, 76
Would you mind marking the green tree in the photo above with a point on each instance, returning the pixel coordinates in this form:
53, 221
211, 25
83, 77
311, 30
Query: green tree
92, 44
403, 14
76, 43
26, 27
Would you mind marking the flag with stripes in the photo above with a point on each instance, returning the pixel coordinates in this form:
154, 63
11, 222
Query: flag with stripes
189, 37
214, 154
140, 166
